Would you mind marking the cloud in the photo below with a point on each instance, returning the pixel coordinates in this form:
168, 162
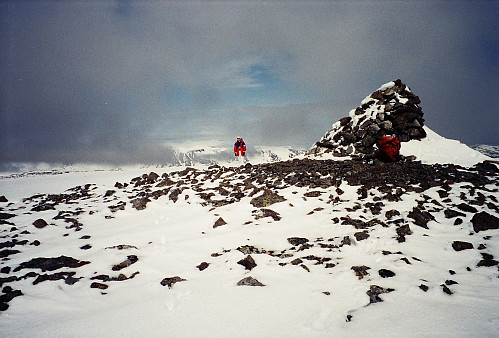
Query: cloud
110, 81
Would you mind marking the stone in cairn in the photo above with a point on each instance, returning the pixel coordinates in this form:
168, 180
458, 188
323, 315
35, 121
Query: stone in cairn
391, 110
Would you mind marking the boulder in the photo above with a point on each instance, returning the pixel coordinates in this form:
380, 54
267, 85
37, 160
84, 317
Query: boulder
460, 246
170, 281
483, 221
219, 222
248, 262
249, 281
40, 223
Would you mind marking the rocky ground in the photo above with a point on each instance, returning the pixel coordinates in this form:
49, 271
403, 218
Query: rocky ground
391, 203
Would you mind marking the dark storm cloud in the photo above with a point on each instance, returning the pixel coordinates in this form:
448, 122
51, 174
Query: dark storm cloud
111, 81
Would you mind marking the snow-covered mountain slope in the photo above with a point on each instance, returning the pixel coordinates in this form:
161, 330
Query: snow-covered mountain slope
437, 149
301, 248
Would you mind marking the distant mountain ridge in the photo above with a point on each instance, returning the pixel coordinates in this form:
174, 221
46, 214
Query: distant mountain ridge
225, 156
209, 155
491, 151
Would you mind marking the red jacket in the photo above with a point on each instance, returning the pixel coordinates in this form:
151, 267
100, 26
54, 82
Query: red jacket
389, 148
240, 148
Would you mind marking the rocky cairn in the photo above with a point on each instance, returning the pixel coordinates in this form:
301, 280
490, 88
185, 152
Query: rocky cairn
392, 109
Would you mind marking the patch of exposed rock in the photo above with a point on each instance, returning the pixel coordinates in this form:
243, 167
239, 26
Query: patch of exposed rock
249, 281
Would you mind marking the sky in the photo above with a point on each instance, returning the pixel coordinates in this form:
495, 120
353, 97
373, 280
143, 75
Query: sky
124, 81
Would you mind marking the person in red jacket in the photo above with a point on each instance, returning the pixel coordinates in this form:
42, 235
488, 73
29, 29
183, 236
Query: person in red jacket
239, 147
389, 148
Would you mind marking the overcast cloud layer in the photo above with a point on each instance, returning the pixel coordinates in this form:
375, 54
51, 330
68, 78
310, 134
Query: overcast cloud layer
117, 82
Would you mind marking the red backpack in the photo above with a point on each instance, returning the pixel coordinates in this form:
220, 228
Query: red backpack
389, 148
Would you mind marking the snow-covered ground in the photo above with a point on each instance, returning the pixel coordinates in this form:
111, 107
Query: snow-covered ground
172, 238
437, 149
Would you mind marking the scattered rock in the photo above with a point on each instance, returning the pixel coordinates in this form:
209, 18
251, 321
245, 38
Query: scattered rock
297, 241
55, 276
446, 290
359, 236
392, 213
467, 208
122, 247
51, 264
3, 199
459, 246
7, 296
109, 193
312, 194
384, 273
169, 281
262, 213
248, 263
249, 281
483, 221
203, 266
305, 267
219, 222
374, 292
249, 249
100, 286
346, 241
139, 203
423, 287
121, 206
126, 263
121, 277
421, 218
403, 231
267, 198
360, 271
488, 260
40, 223
449, 213
174, 195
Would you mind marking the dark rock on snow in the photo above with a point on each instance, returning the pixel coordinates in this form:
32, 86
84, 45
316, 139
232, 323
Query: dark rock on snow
384, 273
249, 281
100, 286
248, 262
219, 222
40, 223
170, 281
297, 241
126, 263
374, 292
361, 271
51, 264
203, 266
483, 221
488, 260
459, 246
267, 198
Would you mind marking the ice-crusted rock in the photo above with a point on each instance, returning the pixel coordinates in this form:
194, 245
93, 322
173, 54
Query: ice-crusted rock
392, 109
249, 281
